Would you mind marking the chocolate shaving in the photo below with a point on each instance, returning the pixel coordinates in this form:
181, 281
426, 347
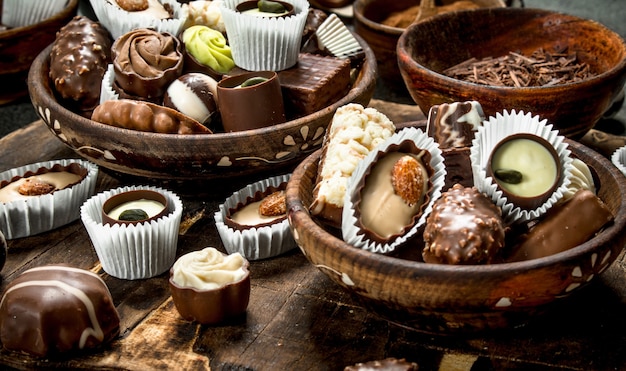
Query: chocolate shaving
541, 68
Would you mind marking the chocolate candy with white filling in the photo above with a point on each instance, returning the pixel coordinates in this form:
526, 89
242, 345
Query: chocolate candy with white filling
54, 309
193, 94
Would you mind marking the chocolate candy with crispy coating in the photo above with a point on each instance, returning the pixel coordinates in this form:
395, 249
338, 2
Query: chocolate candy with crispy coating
78, 60
146, 116
464, 227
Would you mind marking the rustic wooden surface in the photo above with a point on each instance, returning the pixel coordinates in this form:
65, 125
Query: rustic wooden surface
297, 318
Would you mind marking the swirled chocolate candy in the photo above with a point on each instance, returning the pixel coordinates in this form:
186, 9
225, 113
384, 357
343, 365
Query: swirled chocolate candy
194, 94
146, 116
464, 227
146, 62
57, 309
78, 60
452, 126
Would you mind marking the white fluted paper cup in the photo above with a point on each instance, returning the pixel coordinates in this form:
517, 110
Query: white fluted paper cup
254, 243
350, 229
21, 13
618, 158
497, 128
38, 214
264, 43
118, 21
106, 89
133, 251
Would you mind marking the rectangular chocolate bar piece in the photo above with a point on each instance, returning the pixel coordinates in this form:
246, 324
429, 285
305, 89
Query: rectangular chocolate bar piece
313, 83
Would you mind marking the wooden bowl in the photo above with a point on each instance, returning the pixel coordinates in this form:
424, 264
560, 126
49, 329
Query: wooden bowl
197, 156
427, 48
368, 18
447, 299
19, 46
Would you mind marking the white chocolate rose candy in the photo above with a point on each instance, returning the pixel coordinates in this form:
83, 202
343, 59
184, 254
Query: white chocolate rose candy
208, 269
208, 286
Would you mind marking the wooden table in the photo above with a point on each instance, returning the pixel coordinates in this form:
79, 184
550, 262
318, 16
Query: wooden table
297, 318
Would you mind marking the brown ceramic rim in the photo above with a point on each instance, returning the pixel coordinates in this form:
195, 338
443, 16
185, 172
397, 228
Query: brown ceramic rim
533, 202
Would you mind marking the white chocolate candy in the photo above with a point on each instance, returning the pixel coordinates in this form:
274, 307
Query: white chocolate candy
208, 269
534, 161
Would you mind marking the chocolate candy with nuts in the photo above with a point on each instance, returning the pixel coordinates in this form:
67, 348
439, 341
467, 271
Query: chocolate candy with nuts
78, 60
464, 227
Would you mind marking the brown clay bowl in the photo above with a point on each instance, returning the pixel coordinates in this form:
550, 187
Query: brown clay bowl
191, 157
447, 299
427, 48
19, 46
369, 16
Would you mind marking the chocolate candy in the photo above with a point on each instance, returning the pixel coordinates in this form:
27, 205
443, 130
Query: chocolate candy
526, 168
565, 225
464, 227
452, 125
146, 116
146, 62
315, 82
193, 94
78, 60
394, 192
56, 309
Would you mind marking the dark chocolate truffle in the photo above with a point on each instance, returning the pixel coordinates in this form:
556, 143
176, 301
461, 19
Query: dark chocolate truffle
52, 309
464, 227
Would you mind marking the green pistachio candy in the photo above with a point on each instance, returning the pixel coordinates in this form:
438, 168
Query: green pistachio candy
209, 47
253, 81
133, 215
508, 176
271, 7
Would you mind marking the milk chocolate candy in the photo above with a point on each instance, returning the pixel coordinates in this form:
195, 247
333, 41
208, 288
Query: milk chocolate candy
51, 310
146, 62
564, 226
464, 227
452, 125
146, 116
78, 60
313, 83
193, 94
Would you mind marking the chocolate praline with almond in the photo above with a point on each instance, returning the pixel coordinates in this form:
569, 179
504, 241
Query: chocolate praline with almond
393, 192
